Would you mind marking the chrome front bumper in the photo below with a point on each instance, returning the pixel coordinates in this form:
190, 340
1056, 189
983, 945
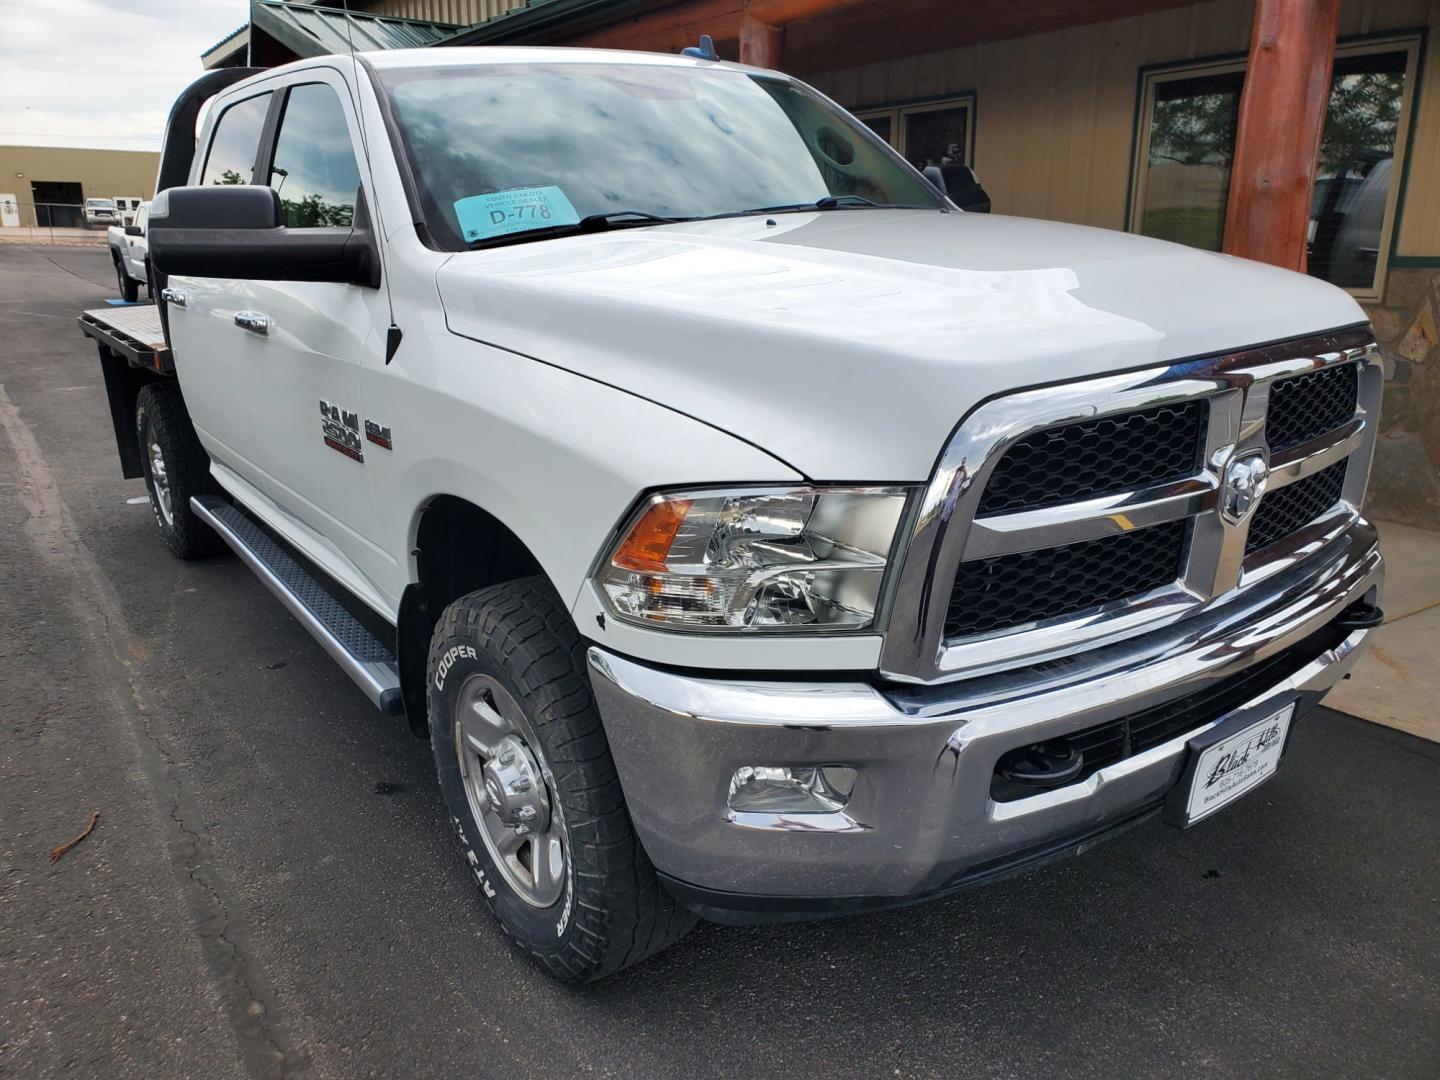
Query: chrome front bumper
921, 817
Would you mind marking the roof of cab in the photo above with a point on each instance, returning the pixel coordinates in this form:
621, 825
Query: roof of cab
466, 55
471, 55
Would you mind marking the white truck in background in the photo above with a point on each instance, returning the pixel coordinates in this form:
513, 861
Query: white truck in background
100, 212
130, 254
752, 533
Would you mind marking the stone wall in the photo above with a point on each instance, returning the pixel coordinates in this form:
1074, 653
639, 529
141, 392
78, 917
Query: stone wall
1405, 482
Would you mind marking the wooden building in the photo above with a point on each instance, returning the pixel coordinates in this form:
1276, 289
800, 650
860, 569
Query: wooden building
1302, 132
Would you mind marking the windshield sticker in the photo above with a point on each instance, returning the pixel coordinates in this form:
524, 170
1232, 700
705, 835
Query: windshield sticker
516, 210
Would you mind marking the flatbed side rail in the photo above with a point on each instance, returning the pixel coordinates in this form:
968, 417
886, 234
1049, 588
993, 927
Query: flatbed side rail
128, 332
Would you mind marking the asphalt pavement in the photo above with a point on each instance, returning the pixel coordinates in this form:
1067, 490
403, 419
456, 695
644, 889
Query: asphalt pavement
271, 890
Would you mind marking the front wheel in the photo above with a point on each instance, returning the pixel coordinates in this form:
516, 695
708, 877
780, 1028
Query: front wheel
526, 773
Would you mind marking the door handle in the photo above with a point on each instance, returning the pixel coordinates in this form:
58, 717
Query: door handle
256, 322
173, 296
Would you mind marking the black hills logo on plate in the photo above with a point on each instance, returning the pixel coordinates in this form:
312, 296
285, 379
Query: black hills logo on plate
341, 429
1238, 757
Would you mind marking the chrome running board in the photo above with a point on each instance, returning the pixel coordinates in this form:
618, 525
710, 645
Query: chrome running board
363, 656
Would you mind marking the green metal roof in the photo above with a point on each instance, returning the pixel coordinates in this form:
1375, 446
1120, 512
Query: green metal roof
315, 31
231, 36
541, 20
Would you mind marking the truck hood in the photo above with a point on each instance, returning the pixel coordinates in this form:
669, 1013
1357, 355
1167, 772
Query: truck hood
849, 343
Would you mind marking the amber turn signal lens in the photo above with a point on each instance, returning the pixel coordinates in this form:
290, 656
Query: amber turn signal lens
648, 543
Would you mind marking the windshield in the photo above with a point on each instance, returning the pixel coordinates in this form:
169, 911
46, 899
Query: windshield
499, 151
100, 204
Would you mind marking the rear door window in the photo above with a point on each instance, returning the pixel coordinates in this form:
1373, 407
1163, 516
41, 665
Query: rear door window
236, 141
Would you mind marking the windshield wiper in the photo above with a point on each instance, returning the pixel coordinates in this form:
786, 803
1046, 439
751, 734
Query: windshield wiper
612, 219
825, 202
830, 202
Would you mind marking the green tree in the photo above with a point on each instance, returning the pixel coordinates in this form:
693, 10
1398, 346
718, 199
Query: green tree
1198, 129
313, 212
1363, 113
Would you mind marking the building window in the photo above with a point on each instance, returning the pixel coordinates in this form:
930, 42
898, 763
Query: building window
933, 133
1187, 142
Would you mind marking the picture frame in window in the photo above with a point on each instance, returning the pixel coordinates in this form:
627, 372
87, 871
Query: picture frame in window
891, 122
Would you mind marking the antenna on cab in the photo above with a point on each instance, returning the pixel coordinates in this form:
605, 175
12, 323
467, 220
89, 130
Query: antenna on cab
704, 51
392, 333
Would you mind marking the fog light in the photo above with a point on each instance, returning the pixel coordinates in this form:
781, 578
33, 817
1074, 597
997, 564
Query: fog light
783, 789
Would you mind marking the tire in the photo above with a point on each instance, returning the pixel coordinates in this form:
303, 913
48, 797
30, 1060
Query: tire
129, 287
176, 467
610, 911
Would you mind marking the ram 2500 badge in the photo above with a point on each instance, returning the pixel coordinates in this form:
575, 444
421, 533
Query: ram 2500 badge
752, 533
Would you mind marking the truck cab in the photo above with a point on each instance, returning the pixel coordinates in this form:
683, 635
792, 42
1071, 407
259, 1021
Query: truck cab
754, 533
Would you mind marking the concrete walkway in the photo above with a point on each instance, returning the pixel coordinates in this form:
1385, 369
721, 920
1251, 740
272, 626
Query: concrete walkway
57, 236
1397, 681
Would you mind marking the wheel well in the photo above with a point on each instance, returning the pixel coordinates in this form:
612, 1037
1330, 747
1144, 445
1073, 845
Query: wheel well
458, 548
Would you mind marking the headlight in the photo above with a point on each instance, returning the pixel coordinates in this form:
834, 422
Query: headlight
778, 559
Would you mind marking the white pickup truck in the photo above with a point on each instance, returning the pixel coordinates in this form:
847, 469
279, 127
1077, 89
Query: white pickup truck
753, 533
130, 252
99, 212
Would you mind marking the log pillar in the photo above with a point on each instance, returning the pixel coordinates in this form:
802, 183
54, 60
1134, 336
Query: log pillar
760, 42
1282, 112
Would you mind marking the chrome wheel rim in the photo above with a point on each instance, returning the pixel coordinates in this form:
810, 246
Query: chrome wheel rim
510, 790
159, 481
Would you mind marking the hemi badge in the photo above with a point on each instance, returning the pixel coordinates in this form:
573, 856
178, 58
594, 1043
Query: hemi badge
380, 436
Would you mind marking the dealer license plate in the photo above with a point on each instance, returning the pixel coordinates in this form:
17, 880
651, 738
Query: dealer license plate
1234, 764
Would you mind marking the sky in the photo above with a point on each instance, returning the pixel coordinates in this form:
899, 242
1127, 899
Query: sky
102, 73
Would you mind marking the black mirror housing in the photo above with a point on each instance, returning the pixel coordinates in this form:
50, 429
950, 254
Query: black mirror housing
235, 231
133, 230
959, 184
963, 187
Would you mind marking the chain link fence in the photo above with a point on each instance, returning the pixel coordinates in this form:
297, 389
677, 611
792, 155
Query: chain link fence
23, 222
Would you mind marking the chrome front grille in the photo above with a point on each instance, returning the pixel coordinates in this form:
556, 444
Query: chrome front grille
1285, 512
1307, 406
1101, 456
1070, 517
1028, 586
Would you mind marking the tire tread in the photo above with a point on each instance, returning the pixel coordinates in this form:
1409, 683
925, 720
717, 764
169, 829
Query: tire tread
622, 914
161, 406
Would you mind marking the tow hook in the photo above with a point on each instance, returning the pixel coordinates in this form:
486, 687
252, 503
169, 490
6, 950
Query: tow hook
1359, 616
1042, 765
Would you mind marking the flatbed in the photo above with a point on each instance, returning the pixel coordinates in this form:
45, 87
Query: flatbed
133, 332
133, 351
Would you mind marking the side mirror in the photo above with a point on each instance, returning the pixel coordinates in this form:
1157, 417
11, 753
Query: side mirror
936, 178
964, 189
235, 231
133, 230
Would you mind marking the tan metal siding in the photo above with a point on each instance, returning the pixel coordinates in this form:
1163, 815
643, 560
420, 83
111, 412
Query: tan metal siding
1420, 210
459, 12
102, 174
1055, 112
